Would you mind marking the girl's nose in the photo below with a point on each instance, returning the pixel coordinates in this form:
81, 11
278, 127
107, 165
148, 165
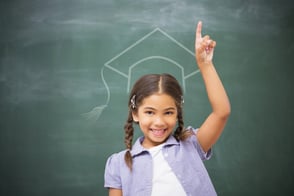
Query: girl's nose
158, 121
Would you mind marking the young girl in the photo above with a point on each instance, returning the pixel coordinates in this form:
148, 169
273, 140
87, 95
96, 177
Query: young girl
168, 159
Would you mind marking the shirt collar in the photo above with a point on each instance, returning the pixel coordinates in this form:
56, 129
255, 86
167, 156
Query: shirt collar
138, 148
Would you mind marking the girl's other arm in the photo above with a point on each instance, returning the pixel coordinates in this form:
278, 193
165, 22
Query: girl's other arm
115, 192
211, 129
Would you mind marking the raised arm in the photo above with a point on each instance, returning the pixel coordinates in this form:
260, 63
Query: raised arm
211, 129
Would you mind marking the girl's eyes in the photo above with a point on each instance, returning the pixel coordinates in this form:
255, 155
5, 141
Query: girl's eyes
149, 112
169, 113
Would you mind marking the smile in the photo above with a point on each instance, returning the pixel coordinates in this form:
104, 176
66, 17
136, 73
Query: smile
158, 132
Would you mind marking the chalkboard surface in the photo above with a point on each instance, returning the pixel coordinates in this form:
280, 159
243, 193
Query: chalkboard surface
66, 67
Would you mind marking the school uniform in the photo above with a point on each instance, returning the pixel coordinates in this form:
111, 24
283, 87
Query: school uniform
176, 162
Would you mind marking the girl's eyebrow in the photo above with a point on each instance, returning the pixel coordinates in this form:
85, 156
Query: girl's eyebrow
170, 108
151, 108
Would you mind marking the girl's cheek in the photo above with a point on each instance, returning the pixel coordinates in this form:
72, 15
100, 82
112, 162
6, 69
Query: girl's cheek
145, 121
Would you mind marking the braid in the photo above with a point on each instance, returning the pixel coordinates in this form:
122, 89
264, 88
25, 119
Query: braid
180, 132
180, 128
129, 132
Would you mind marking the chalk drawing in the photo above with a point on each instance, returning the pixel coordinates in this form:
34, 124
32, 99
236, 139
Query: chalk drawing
95, 113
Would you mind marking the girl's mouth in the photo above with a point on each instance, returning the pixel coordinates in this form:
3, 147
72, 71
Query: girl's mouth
158, 132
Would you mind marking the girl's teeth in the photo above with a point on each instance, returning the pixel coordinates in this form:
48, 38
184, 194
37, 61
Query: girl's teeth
159, 132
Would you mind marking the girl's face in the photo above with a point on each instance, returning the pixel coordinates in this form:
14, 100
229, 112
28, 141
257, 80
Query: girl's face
157, 118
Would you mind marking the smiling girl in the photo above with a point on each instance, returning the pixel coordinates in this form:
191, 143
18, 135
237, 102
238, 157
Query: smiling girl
168, 159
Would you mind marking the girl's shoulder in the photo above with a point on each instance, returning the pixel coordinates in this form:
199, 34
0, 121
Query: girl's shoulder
115, 164
113, 170
116, 157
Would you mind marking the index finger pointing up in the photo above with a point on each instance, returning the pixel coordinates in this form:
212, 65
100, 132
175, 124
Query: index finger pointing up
198, 30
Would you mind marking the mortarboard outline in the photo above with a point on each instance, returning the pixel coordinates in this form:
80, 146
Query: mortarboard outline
127, 71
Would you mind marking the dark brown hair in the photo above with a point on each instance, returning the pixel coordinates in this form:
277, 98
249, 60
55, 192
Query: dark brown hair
145, 86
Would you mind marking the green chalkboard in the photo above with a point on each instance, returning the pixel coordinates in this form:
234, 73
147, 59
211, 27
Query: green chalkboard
66, 67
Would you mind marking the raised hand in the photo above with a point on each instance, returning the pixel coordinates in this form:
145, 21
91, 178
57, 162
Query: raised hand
204, 47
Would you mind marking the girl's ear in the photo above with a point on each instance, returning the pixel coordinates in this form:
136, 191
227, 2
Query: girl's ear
135, 117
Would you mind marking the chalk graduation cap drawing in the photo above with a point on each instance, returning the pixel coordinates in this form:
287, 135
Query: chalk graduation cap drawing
156, 52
